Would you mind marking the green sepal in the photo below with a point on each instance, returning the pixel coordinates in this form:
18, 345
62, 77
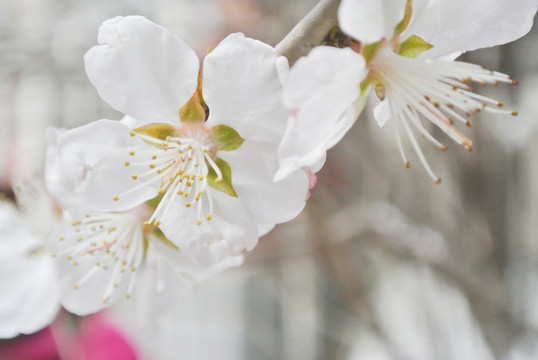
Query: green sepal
195, 111
157, 130
380, 91
225, 184
402, 25
161, 237
413, 46
153, 203
369, 50
192, 112
226, 138
365, 84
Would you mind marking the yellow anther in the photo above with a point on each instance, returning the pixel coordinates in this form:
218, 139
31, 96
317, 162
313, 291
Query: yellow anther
201, 177
159, 171
78, 222
132, 153
186, 194
75, 262
132, 133
193, 176
115, 197
79, 239
127, 163
157, 223
208, 216
218, 180
152, 166
145, 224
75, 286
123, 262
53, 254
180, 192
133, 269
134, 176
188, 183
122, 271
161, 191
188, 204
61, 238
199, 222
127, 296
154, 157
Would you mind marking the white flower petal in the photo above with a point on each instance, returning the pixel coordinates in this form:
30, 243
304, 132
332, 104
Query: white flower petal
98, 257
230, 231
59, 186
382, 113
254, 165
461, 25
29, 298
142, 70
87, 298
183, 267
320, 92
370, 20
242, 88
93, 157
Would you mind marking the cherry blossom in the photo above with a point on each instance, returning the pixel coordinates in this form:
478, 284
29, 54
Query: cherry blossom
408, 48
203, 142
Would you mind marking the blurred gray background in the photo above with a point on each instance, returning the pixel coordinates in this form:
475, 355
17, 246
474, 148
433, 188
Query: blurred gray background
382, 264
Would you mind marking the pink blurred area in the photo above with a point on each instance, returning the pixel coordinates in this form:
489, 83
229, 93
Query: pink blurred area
90, 338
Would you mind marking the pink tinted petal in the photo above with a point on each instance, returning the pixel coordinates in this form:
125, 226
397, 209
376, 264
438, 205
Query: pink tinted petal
142, 70
38, 346
100, 340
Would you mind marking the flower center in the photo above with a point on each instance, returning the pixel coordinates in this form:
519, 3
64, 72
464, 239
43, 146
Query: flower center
117, 242
182, 163
436, 90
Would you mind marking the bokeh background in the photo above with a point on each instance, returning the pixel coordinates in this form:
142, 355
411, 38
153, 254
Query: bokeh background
382, 264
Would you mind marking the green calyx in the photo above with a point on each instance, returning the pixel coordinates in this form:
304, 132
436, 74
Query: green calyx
404, 23
369, 50
413, 46
226, 138
224, 183
195, 111
159, 131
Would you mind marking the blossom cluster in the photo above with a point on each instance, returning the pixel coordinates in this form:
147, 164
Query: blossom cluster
210, 156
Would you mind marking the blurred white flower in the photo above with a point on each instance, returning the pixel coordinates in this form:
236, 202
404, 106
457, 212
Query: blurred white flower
407, 47
212, 169
30, 298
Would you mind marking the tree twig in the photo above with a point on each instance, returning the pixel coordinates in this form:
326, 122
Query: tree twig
310, 31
